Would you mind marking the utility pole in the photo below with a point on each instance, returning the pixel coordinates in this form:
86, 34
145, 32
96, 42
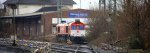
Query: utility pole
100, 4
114, 18
58, 14
13, 7
110, 6
43, 20
104, 8
60, 10
104, 2
14, 25
115, 7
110, 24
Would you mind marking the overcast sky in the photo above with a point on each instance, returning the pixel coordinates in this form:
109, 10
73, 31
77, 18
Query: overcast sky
1, 1
84, 3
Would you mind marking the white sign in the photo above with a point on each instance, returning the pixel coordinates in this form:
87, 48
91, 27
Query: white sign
56, 20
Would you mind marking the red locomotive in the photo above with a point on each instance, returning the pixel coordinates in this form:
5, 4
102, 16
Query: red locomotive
74, 31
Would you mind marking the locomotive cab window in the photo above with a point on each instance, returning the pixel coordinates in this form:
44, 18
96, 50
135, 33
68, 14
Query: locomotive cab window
73, 27
81, 27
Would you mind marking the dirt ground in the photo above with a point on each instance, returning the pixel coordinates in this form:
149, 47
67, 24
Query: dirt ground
50, 38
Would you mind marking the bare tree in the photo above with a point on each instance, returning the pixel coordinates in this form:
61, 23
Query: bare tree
132, 22
102, 28
135, 20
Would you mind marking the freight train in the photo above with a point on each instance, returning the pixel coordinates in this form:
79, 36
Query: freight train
73, 31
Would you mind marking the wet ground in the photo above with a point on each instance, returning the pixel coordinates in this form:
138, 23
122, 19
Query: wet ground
23, 46
12, 50
3, 51
76, 48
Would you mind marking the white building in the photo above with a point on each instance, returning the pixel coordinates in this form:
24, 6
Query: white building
33, 6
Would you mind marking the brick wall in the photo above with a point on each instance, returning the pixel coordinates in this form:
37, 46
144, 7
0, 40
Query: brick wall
47, 19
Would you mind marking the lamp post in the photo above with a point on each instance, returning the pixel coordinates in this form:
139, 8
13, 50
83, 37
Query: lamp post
13, 7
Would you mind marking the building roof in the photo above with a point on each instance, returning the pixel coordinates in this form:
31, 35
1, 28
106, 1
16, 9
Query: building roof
39, 2
46, 9
26, 15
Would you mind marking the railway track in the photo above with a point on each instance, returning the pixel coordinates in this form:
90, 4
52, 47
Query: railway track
62, 48
45, 47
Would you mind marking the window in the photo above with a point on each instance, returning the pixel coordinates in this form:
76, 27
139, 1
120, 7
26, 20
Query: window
66, 29
81, 27
58, 29
73, 27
